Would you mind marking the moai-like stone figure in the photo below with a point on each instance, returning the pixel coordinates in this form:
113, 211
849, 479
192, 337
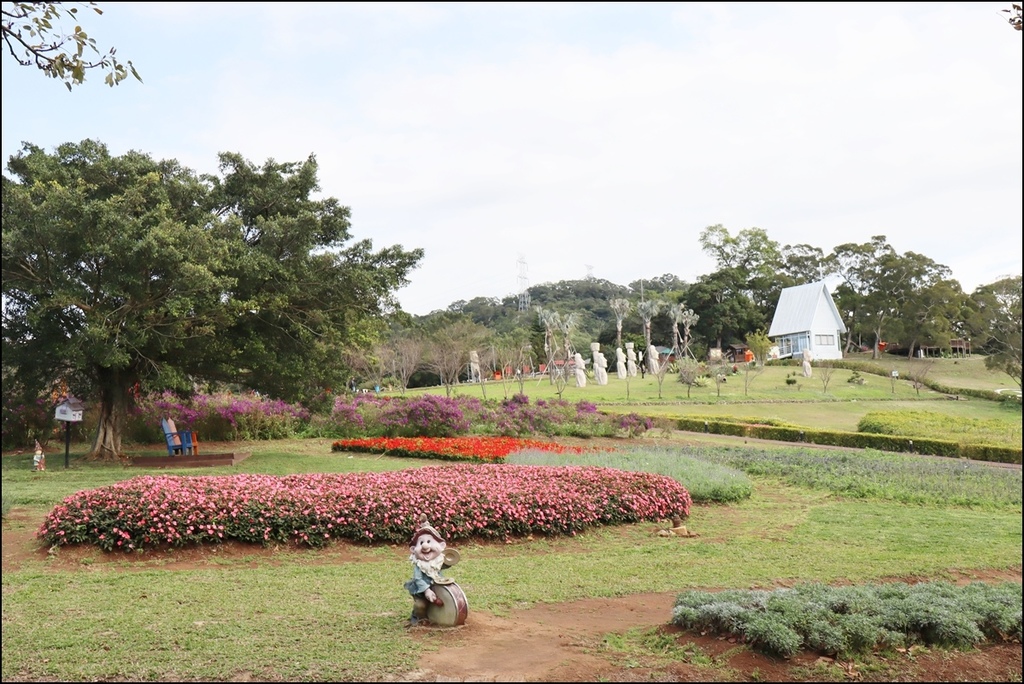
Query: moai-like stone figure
474, 366
630, 360
808, 357
600, 364
620, 363
653, 366
581, 370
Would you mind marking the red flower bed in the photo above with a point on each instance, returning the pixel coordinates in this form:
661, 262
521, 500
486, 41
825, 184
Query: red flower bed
463, 500
488, 449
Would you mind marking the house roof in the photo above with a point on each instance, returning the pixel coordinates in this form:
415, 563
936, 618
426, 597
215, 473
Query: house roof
805, 307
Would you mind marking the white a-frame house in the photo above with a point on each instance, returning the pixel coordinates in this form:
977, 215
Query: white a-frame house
807, 318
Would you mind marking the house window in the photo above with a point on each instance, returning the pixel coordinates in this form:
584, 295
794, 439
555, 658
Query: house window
824, 340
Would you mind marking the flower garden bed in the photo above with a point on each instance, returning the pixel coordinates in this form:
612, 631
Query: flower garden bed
461, 500
487, 449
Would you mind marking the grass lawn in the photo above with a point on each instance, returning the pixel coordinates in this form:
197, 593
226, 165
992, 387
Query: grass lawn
338, 613
766, 395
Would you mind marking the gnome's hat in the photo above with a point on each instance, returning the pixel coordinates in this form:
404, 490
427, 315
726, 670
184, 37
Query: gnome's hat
39, 447
422, 528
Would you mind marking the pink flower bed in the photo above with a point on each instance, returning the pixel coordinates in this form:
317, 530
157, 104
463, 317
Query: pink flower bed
461, 501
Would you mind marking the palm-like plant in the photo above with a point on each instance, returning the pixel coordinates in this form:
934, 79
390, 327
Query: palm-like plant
620, 307
648, 310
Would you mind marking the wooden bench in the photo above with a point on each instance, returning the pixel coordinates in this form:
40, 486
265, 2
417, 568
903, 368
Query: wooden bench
179, 441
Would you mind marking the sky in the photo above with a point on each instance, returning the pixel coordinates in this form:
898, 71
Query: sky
520, 144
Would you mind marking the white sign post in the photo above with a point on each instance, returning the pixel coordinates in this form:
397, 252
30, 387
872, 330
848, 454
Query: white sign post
69, 411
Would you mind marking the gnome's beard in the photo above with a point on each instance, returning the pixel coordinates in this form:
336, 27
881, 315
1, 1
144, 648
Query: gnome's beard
431, 568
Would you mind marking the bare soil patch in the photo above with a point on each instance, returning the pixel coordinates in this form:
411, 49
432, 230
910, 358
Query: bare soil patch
556, 642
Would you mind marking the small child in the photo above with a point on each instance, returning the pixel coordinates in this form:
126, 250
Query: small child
39, 459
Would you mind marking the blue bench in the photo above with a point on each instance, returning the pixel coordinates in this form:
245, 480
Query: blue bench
178, 441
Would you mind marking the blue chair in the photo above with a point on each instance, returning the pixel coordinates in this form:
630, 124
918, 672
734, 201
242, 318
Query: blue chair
178, 441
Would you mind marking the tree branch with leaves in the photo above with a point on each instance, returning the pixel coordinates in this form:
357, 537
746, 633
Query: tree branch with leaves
34, 36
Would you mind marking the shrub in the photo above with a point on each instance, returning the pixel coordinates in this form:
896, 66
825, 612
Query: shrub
221, 416
634, 424
855, 620
424, 416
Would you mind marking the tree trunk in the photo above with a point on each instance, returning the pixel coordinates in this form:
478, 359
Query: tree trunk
106, 445
875, 353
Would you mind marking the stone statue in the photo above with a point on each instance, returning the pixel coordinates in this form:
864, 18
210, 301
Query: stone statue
630, 360
652, 360
429, 554
581, 370
808, 357
474, 366
600, 364
620, 363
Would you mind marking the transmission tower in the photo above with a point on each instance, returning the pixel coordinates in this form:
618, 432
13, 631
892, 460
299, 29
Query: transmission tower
524, 285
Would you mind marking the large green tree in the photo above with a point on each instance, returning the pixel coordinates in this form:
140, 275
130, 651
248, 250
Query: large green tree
998, 325
884, 291
35, 34
751, 260
125, 273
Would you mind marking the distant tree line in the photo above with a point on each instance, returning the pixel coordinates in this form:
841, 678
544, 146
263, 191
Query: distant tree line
125, 274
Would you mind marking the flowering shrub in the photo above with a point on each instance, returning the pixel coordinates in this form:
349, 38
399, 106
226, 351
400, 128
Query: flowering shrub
516, 416
427, 416
461, 501
634, 424
221, 416
434, 416
23, 423
488, 449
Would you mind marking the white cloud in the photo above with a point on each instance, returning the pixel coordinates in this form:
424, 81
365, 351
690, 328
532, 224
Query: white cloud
610, 136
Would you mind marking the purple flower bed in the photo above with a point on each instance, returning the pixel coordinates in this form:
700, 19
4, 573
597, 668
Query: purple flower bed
462, 501
222, 416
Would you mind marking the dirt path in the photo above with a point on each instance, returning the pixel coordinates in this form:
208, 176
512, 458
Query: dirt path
566, 642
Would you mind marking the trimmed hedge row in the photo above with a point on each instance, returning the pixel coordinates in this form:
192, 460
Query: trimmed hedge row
860, 440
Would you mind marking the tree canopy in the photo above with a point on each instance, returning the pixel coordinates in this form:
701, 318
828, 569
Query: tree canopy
34, 36
121, 273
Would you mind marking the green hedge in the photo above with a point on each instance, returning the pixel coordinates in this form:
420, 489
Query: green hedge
859, 440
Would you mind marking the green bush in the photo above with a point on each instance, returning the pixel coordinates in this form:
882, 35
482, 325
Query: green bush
854, 620
858, 440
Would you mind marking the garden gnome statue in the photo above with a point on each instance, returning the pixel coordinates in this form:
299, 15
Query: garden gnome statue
39, 459
630, 360
581, 370
429, 555
652, 360
620, 363
808, 357
474, 366
600, 364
